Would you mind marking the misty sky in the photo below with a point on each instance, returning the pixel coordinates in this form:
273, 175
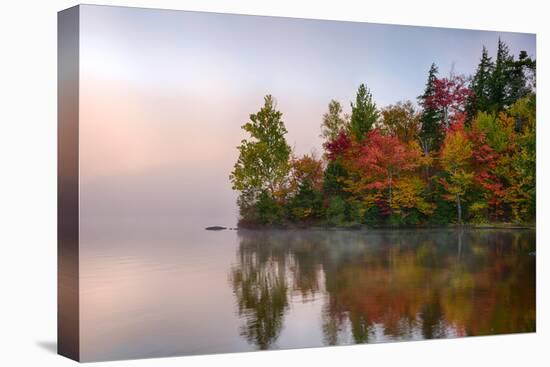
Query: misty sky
164, 93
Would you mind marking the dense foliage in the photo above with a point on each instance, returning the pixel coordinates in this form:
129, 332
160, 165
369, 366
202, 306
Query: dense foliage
466, 154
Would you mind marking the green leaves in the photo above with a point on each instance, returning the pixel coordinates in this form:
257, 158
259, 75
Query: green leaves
497, 133
334, 121
364, 114
263, 162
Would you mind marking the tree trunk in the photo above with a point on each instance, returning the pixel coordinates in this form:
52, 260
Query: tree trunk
390, 191
425, 145
459, 209
426, 148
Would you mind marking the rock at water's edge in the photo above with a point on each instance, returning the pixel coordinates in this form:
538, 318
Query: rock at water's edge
215, 228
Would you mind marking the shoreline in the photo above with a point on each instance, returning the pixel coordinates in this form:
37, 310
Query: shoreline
362, 227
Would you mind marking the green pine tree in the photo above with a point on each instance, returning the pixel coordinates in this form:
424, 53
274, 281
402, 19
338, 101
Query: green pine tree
430, 130
363, 113
519, 78
480, 100
500, 78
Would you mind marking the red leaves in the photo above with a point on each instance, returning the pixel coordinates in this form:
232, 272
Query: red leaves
450, 95
485, 162
481, 163
383, 154
335, 148
484, 156
383, 171
376, 165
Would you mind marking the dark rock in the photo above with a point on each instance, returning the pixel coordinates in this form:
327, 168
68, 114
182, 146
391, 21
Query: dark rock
215, 228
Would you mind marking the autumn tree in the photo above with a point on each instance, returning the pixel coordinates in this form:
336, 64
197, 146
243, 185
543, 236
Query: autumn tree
450, 97
335, 148
507, 171
335, 173
521, 192
263, 162
306, 182
493, 138
455, 157
334, 177
377, 162
364, 113
409, 198
306, 169
489, 186
401, 120
497, 131
334, 121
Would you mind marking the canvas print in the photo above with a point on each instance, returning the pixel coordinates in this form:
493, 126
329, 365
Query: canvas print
232, 183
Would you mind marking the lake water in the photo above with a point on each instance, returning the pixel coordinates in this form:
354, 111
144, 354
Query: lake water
160, 290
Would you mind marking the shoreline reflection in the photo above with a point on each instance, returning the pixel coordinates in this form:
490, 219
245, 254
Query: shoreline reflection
385, 285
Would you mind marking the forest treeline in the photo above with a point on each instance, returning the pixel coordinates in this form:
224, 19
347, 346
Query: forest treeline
466, 154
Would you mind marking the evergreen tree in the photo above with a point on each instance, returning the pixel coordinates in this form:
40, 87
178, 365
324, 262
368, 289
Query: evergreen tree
518, 78
332, 178
363, 113
500, 79
480, 99
307, 203
430, 131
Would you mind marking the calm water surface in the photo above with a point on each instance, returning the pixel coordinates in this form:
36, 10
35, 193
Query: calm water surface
149, 291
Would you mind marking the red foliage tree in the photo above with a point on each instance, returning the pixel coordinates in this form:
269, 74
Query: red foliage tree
378, 160
485, 160
337, 147
450, 97
483, 164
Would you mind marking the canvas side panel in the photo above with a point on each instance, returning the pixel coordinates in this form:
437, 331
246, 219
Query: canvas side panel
68, 184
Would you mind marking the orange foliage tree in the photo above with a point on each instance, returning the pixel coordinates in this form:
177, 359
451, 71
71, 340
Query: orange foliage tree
378, 163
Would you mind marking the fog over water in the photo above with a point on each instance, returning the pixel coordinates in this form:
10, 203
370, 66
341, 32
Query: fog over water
164, 289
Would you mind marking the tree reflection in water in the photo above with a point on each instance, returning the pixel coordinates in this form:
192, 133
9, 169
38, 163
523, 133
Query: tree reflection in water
386, 285
260, 285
